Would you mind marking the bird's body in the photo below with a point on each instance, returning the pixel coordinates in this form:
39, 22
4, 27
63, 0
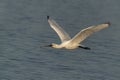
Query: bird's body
66, 44
72, 43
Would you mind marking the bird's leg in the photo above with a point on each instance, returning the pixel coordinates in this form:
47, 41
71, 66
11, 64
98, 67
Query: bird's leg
83, 47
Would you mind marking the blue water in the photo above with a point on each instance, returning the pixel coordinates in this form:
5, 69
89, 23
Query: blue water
24, 29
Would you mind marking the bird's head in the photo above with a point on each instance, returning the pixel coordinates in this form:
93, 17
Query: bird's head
53, 45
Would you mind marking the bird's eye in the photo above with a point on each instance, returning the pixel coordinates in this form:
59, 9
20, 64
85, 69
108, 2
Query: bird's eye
50, 45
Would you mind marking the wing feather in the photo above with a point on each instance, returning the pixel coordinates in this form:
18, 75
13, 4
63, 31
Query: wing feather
61, 33
83, 34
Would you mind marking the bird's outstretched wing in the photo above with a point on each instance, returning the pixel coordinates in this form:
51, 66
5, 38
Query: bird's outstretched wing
83, 34
61, 33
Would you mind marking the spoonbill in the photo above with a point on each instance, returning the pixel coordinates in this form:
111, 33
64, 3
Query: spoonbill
72, 43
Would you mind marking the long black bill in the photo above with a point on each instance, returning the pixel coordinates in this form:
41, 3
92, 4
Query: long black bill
87, 48
46, 46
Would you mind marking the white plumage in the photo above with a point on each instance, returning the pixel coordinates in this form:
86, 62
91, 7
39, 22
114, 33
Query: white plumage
72, 43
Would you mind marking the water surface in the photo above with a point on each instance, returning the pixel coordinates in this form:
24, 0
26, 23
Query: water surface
24, 29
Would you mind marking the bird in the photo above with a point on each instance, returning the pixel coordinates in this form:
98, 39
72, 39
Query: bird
72, 43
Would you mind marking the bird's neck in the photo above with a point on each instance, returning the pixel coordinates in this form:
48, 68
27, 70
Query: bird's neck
57, 46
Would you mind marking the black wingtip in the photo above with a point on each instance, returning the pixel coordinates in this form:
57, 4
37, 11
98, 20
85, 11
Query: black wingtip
107, 23
48, 17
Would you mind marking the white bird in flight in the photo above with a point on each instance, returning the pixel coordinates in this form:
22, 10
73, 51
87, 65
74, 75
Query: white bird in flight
72, 43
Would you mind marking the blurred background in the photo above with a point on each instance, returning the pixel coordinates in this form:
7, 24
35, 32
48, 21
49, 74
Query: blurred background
24, 31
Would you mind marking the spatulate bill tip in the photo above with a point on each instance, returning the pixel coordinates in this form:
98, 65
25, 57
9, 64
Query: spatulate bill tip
48, 17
